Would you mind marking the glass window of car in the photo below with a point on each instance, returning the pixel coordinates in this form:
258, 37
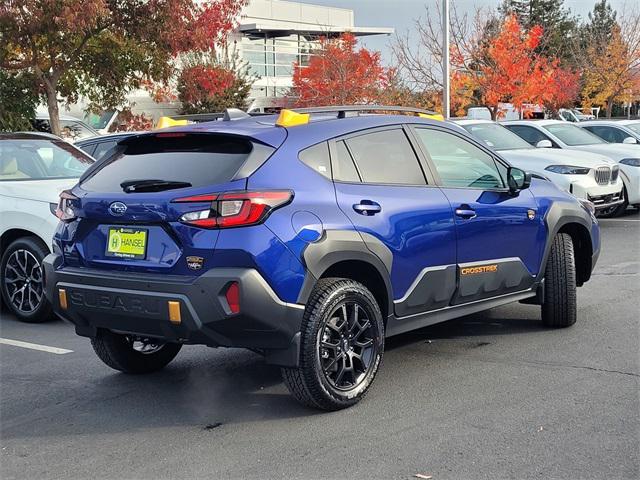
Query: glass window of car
197, 159
386, 157
31, 159
344, 169
610, 134
317, 158
460, 163
496, 136
572, 135
103, 149
90, 148
634, 126
530, 134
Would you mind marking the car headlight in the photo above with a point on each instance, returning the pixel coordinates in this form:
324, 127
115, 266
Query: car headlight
568, 169
632, 162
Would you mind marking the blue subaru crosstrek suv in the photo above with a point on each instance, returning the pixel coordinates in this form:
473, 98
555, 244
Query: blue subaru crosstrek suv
309, 237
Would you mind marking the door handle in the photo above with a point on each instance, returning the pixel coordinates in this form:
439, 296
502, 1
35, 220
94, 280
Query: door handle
465, 211
367, 207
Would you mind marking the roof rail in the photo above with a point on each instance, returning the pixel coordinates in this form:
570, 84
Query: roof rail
342, 110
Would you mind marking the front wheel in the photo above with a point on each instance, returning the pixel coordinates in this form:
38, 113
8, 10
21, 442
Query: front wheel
22, 283
131, 354
559, 308
341, 348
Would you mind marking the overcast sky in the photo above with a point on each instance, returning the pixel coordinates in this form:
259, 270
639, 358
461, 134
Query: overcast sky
399, 14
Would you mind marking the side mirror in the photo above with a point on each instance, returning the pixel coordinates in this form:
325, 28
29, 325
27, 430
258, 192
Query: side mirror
544, 144
630, 141
518, 179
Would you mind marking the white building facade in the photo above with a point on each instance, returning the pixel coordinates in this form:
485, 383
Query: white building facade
274, 34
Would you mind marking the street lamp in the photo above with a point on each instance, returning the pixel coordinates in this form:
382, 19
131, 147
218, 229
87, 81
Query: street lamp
446, 94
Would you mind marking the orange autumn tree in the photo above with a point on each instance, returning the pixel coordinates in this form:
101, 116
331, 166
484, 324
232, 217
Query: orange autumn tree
339, 73
507, 69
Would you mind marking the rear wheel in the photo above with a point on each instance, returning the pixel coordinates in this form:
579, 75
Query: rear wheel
341, 346
130, 354
560, 305
22, 284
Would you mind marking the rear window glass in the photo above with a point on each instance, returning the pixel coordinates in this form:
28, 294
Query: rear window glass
196, 159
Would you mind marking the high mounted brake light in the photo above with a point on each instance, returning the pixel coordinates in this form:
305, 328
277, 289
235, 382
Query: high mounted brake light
234, 209
65, 211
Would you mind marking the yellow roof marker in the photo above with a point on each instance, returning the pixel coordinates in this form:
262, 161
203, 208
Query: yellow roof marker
166, 122
289, 118
435, 116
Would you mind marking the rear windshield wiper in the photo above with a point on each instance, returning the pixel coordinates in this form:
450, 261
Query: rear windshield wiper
131, 186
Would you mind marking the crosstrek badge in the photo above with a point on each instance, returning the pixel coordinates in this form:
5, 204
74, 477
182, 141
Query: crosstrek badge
481, 269
195, 263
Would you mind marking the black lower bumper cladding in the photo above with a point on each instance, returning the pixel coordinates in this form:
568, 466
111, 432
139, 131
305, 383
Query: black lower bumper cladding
177, 309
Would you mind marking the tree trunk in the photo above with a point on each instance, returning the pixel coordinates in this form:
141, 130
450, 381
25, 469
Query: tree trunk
609, 108
52, 106
494, 113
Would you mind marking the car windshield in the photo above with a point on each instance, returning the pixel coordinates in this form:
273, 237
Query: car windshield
496, 136
634, 126
572, 135
99, 121
40, 159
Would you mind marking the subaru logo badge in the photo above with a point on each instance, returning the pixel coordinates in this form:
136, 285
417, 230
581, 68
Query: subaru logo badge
117, 209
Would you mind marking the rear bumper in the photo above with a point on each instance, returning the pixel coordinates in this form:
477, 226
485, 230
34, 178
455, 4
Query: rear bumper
138, 304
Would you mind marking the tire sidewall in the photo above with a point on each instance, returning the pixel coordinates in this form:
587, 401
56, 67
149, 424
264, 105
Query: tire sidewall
39, 251
331, 302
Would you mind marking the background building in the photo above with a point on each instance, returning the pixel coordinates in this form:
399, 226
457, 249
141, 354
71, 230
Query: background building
273, 34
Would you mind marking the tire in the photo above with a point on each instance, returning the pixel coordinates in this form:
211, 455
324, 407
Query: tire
330, 375
560, 306
22, 282
120, 353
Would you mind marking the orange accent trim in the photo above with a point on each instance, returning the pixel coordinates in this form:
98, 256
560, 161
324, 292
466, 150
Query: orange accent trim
174, 312
62, 296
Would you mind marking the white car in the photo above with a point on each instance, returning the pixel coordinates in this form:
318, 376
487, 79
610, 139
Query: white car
558, 134
615, 131
579, 173
34, 169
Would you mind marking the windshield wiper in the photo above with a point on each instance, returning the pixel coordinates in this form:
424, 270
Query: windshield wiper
132, 186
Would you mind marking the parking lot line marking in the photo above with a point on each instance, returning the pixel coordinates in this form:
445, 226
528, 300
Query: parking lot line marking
619, 220
35, 346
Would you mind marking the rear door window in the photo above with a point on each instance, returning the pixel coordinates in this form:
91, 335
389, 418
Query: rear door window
196, 159
386, 157
344, 169
529, 134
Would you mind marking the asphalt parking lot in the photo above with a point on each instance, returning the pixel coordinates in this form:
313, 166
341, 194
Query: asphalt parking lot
493, 396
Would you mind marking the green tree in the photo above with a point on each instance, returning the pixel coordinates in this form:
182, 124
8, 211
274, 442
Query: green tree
214, 81
18, 101
601, 24
559, 25
101, 49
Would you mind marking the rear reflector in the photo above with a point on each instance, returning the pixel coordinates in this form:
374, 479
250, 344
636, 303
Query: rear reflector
233, 297
174, 312
62, 296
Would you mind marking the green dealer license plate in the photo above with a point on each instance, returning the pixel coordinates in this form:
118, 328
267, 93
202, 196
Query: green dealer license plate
127, 242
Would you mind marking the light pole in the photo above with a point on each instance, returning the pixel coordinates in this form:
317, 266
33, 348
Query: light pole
446, 94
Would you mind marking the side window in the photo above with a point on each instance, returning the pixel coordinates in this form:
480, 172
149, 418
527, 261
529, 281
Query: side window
103, 149
343, 167
89, 148
386, 157
529, 134
317, 158
609, 134
458, 162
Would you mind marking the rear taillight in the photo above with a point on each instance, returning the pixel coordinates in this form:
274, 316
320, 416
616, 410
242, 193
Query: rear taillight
66, 210
234, 209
